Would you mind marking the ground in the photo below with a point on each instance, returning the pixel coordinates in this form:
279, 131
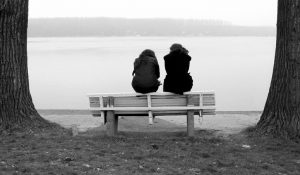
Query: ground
143, 149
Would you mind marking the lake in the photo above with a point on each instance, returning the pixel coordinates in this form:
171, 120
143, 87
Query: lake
62, 71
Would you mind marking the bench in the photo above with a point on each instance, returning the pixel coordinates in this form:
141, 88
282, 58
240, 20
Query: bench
110, 106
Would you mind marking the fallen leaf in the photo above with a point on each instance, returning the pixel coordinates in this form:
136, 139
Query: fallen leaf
246, 146
86, 165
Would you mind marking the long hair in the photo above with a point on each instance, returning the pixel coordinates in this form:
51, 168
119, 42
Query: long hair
178, 47
148, 52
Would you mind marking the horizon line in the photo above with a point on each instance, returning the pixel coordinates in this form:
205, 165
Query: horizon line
229, 23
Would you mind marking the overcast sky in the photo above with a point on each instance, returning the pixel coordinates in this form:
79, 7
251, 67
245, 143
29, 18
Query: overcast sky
240, 12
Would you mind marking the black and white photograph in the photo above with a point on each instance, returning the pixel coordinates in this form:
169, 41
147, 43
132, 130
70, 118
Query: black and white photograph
140, 87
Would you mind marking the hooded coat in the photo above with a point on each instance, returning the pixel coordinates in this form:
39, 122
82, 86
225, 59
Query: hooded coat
178, 79
146, 73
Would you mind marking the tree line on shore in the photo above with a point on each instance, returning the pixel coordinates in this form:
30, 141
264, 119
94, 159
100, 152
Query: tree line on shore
102, 26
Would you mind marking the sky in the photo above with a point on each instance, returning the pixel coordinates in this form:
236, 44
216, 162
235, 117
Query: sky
238, 12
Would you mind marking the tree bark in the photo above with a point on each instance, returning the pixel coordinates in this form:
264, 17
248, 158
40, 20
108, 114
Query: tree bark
281, 115
16, 106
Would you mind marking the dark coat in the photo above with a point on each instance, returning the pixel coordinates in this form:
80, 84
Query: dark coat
146, 74
178, 79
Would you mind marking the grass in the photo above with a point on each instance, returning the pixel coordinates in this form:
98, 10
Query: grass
147, 153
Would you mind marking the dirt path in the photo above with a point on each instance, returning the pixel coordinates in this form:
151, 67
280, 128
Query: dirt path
224, 123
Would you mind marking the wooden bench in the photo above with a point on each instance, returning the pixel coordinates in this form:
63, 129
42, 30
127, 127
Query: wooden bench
110, 106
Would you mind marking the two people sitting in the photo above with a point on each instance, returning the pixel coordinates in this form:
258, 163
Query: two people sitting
146, 71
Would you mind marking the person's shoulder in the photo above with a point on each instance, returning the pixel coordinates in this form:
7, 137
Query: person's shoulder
152, 60
188, 57
185, 56
168, 56
137, 61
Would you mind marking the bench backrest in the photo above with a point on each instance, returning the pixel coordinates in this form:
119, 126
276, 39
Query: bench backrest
160, 103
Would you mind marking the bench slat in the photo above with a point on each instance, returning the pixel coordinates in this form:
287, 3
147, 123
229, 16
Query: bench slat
134, 101
139, 94
180, 108
156, 113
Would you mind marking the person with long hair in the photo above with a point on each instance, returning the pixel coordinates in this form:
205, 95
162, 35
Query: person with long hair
178, 79
146, 73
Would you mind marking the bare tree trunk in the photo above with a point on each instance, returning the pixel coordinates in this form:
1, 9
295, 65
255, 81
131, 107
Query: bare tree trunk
281, 115
16, 106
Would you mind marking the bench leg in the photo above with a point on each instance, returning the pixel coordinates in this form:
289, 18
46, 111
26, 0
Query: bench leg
116, 123
200, 113
105, 117
190, 123
150, 114
112, 124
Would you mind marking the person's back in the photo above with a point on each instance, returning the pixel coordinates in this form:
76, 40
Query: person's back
146, 73
177, 63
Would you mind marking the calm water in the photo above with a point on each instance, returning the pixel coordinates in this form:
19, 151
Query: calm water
63, 70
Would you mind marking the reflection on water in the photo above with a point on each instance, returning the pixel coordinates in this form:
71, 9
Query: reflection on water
63, 70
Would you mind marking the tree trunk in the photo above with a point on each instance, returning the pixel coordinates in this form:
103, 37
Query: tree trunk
16, 106
281, 115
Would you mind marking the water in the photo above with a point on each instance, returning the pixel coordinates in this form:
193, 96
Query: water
62, 71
